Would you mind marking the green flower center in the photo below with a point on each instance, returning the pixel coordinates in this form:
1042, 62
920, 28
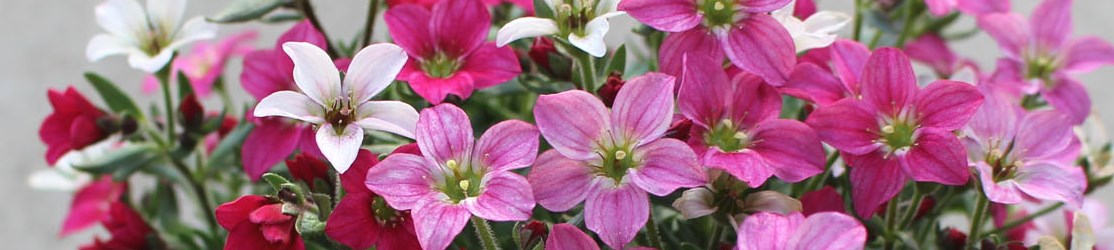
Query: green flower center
440, 66
717, 13
897, 135
460, 182
384, 214
1041, 67
573, 16
616, 162
727, 137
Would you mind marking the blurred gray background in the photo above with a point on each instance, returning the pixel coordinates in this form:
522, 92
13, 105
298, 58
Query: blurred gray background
44, 47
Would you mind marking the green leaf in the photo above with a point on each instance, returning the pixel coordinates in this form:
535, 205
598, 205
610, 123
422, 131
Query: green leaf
122, 162
225, 152
282, 17
276, 181
618, 61
542, 10
245, 10
117, 100
185, 87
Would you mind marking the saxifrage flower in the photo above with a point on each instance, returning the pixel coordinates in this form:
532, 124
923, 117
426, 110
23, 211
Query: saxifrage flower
824, 230
584, 23
148, 36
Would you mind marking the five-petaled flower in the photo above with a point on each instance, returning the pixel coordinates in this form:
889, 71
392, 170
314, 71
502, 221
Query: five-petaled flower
148, 36
584, 23
362, 219
824, 230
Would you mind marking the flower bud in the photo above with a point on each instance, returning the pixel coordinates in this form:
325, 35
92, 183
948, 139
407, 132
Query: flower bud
541, 50
680, 129
192, 113
610, 90
952, 239
695, 203
531, 234
771, 201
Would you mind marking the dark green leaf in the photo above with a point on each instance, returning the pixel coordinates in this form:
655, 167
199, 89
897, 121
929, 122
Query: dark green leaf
618, 61
542, 10
277, 181
185, 87
245, 10
116, 100
122, 162
225, 152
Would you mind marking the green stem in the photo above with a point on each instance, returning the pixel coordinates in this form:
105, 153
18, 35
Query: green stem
652, 233
907, 30
818, 181
981, 204
164, 80
199, 191
1023, 220
857, 33
891, 224
369, 25
483, 231
911, 211
716, 235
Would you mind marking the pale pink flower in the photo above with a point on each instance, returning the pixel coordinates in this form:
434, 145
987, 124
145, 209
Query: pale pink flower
204, 63
1060, 225
820, 231
148, 36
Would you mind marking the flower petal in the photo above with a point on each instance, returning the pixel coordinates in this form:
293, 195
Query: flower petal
847, 126
565, 236
1049, 181
933, 50
757, 6
747, 166
828, 230
314, 72
790, 147
937, 156
696, 42
771, 201
506, 197
592, 42
695, 203
888, 81
270, 142
391, 116
1009, 29
977, 8
91, 204
559, 183
1043, 134
1005, 191
403, 180
409, 26
760, 45
1068, 96
616, 212
874, 181
340, 148
573, 122
372, 70
814, 84
436, 223
752, 101
1086, 54
459, 26
1051, 23
643, 109
122, 18
105, 45
947, 104
444, 133
233, 213
704, 91
489, 65
525, 27
664, 15
768, 231
667, 164
821, 30
507, 145
823, 200
849, 61
290, 104
435, 90
353, 223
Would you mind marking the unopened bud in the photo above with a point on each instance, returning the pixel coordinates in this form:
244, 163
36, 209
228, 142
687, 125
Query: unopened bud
192, 113
531, 234
610, 90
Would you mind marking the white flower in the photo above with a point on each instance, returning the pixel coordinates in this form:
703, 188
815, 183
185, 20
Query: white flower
817, 31
149, 37
343, 110
63, 177
585, 36
1095, 143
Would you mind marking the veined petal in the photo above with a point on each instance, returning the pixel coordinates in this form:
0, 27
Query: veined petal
403, 180
444, 133
268, 143
790, 147
849, 60
1049, 181
695, 203
1086, 54
643, 109
104, 45
1069, 97
122, 18
435, 90
1005, 191
353, 223
1051, 23
756, 6
768, 231
874, 181
525, 27
828, 230
391, 116
616, 212
814, 84
667, 164
573, 122
314, 72
459, 26
664, 15
747, 166
507, 145
947, 104
290, 104
489, 65
559, 183
847, 126
888, 81
1009, 29
937, 156
372, 70
752, 100
821, 28
592, 41
933, 50
696, 42
565, 236
760, 45
436, 223
506, 197
704, 90
340, 147
409, 26
1042, 134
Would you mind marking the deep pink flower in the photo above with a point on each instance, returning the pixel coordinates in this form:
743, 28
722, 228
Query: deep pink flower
257, 222
362, 219
738, 130
91, 204
128, 230
969, 7
610, 159
933, 50
826, 230
567, 237
308, 168
447, 44
822, 82
1040, 58
458, 176
72, 125
271, 70
205, 63
527, 5
1020, 154
822, 200
896, 130
741, 30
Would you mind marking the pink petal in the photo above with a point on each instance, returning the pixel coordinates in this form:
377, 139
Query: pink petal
667, 164
435, 90
1068, 96
1051, 23
573, 122
409, 26
823, 200
340, 148
91, 204
353, 223
1010, 31
506, 197
760, 45
980, 7
436, 223
831, 231
790, 147
404, 180
559, 183
1086, 54
353, 180
643, 109
1005, 191
444, 133
507, 145
266, 72
752, 101
704, 91
460, 26
489, 66
947, 104
933, 50
747, 166
847, 126
937, 156
616, 213
664, 15
997, 118
940, 7
756, 6
302, 32
372, 69
314, 72
768, 231
1042, 134
849, 60
696, 42
874, 181
270, 142
1049, 181
565, 236
888, 81
814, 84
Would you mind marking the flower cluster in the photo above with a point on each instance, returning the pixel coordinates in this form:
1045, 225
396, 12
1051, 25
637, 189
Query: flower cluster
735, 124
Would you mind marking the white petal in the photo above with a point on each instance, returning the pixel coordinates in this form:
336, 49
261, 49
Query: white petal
147, 63
608, 8
123, 18
165, 14
314, 71
55, 180
195, 29
390, 116
104, 45
811, 41
826, 22
373, 69
525, 27
695, 203
592, 42
292, 105
340, 149
1082, 234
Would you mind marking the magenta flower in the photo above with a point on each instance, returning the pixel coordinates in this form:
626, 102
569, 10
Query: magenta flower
612, 158
825, 230
362, 219
1041, 59
449, 50
933, 50
740, 29
896, 130
91, 204
823, 84
739, 132
456, 176
1024, 155
969, 7
204, 63
565, 236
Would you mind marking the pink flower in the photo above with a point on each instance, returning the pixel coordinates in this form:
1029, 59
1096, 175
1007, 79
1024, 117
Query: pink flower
933, 50
896, 130
1041, 60
818, 82
91, 204
611, 158
738, 129
567, 237
527, 5
72, 125
449, 50
825, 230
362, 219
205, 63
457, 176
1024, 155
822, 200
257, 222
128, 230
1060, 225
740, 29
340, 110
969, 7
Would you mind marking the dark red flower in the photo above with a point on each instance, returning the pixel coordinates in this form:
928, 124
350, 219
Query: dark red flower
953, 239
532, 233
541, 50
608, 91
91, 204
128, 230
257, 222
192, 113
362, 219
307, 168
72, 126
822, 200
680, 129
